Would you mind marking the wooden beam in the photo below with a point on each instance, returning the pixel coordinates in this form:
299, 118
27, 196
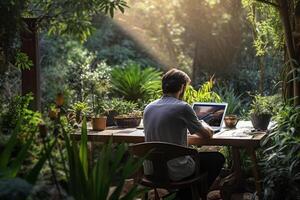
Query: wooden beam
31, 77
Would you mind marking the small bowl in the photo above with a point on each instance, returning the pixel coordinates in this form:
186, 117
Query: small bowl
231, 121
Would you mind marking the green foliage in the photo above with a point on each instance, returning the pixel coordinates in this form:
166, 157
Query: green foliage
69, 68
134, 83
204, 94
86, 76
65, 17
18, 109
266, 25
234, 101
81, 107
111, 42
22, 61
123, 107
11, 186
101, 108
110, 170
265, 105
281, 161
11, 13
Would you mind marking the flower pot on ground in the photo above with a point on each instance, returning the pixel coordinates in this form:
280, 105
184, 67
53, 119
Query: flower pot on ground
262, 109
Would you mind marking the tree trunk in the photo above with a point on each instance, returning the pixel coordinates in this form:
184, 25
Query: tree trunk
261, 74
292, 51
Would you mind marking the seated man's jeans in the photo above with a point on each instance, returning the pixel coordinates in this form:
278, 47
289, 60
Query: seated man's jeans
210, 163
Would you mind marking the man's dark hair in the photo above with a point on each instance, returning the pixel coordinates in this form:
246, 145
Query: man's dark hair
173, 80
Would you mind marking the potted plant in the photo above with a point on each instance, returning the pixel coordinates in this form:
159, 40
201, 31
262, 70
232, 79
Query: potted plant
99, 116
261, 112
128, 116
79, 109
113, 106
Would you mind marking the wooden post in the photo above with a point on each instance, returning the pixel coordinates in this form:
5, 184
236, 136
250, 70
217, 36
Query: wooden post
31, 77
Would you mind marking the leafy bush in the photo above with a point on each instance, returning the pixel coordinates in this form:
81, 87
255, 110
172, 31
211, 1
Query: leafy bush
265, 105
110, 170
234, 101
281, 162
123, 107
204, 94
134, 83
18, 109
11, 185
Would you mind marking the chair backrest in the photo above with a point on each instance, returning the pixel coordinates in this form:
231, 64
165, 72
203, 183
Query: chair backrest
159, 153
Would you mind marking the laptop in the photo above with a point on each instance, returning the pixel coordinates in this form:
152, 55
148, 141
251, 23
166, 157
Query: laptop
212, 113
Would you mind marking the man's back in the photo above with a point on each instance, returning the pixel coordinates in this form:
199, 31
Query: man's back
163, 121
167, 120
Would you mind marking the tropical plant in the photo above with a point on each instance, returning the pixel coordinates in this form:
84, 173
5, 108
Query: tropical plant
110, 169
122, 107
12, 186
203, 94
234, 101
81, 107
101, 108
281, 158
18, 108
264, 105
134, 83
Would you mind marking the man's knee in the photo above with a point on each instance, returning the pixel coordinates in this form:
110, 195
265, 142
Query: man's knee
219, 158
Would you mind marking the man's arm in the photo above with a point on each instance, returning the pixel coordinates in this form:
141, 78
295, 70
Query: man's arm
206, 131
195, 126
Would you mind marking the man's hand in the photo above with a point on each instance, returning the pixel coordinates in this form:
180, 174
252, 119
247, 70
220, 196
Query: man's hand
209, 131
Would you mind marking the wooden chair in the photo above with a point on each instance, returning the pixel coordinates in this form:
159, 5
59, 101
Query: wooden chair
159, 153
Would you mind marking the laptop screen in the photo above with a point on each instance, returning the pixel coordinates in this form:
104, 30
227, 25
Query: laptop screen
211, 113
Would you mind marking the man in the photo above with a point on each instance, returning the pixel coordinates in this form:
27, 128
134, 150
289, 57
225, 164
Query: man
167, 120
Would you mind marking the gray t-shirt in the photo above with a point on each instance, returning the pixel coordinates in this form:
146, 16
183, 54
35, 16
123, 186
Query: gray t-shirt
167, 120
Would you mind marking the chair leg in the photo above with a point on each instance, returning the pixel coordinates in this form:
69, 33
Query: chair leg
195, 192
146, 196
156, 197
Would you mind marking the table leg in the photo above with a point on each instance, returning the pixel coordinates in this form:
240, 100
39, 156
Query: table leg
255, 171
232, 181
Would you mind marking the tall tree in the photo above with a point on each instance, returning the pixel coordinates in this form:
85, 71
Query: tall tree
290, 15
71, 17
216, 33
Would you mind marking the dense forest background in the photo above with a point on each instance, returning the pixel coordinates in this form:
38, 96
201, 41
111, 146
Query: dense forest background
237, 42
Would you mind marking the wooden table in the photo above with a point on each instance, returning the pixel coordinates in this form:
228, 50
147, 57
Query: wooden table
250, 144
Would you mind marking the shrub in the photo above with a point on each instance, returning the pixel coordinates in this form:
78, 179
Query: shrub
281, 161
110, 169
203, 94
265, 105
133, 83
234, 101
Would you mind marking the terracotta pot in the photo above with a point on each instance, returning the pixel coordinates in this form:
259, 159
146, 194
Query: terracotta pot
99, 123
260, 122
127, 122
231, 121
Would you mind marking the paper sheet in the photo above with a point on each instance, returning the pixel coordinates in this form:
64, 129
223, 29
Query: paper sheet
244, 133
